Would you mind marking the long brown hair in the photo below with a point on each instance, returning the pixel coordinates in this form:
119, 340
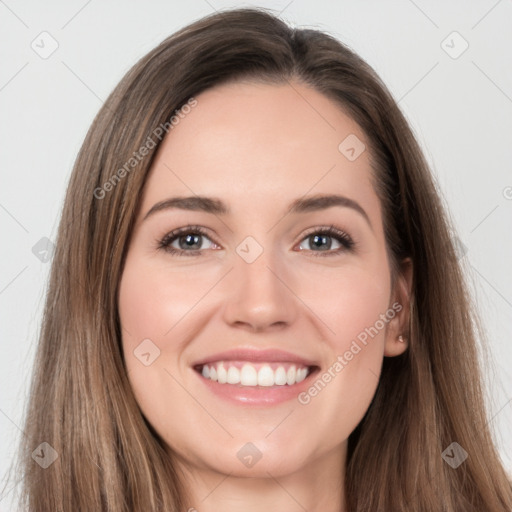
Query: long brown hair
81, 402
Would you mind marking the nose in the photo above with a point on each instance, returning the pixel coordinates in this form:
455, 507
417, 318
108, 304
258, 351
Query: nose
259, 295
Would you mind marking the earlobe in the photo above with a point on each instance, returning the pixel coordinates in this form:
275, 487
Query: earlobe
395, 347
397, 335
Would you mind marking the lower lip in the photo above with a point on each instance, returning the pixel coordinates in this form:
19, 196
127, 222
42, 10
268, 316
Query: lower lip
257, 395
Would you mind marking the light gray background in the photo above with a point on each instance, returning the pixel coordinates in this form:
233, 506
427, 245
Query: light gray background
460, 109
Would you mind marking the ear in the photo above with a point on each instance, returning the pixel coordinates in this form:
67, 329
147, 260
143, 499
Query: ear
398, 326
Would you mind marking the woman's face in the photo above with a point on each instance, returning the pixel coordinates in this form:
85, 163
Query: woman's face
260, 294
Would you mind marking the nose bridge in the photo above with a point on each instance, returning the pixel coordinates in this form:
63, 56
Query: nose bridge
260, 297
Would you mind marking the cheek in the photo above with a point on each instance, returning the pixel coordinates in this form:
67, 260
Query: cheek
152, 301
359, 308
158, 310
354, 308
151, 306
348, 300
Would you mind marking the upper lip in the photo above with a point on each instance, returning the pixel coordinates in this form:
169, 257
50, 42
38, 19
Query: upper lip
256, 355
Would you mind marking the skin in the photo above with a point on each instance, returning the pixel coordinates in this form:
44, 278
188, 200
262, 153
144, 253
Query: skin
258, 147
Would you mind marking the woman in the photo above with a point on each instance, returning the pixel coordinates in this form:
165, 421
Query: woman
197, 353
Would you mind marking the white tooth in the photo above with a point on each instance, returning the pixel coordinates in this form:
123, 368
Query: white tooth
280, 376
301, 374
248, 376
222, 374
233, 375
290, 375
265, 376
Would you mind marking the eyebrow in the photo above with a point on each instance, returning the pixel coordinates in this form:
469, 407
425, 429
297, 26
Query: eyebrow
216, 207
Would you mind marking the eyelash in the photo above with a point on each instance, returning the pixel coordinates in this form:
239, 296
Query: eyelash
165, 243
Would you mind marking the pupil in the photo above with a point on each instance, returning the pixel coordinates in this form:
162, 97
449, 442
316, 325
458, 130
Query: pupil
319, 239
191, 240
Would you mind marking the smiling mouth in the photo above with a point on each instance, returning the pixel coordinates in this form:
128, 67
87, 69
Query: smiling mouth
247, 374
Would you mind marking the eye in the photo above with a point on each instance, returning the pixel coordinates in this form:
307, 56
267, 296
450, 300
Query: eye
189, 241
321, 238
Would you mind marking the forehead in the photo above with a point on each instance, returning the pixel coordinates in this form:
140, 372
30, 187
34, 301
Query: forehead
260, 142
